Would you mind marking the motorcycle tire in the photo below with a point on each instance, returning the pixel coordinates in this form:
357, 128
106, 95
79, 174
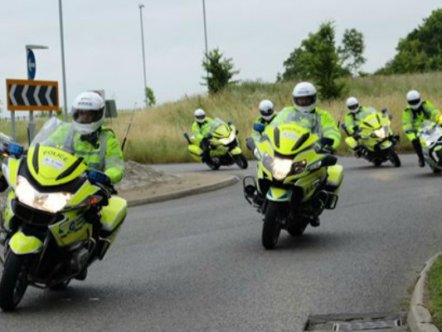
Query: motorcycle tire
394, 158
241, 161
14, 281
213, 166
272, 227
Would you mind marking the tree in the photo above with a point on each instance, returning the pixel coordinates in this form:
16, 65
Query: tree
351, 51
317, 60
150, 96
421, 50
220, 71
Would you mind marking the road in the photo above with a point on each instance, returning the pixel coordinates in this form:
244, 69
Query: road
197, 264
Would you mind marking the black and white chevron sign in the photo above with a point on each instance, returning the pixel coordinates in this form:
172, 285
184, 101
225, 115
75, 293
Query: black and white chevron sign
32, 95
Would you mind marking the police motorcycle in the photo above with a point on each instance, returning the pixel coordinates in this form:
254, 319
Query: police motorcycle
222, 144
296, 180
51, 226
430, 137
375, 140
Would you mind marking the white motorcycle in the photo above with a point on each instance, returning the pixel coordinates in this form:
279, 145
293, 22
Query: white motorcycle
430, 137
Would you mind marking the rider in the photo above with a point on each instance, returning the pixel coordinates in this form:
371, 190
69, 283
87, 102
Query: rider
201, 130
266, 116
97, 145
305, 113
413, 117
353, 118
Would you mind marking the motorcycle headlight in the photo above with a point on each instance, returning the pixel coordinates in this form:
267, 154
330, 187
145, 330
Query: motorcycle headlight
380, 133
228, 140
49, 202
281, 168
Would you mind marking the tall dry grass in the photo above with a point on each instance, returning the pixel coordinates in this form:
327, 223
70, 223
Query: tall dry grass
156, 134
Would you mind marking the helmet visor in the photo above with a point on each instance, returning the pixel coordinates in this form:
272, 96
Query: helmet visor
353, 107
200, 117
87, 116
414, 102
305, 100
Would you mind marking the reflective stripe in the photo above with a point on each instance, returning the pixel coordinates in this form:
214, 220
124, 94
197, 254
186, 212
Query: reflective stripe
103, 146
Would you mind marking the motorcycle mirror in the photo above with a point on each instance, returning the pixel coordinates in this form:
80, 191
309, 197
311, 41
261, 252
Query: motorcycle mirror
186, 136
15, 150
250, 143
329, 160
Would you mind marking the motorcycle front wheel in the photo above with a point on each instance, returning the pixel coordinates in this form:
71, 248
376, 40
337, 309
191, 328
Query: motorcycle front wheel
241, 161
394, 158
272, 225
14, 281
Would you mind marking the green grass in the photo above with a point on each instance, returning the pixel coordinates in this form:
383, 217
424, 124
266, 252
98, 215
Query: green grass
156, 134
434, 286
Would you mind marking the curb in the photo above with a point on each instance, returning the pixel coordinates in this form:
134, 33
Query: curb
230, 180
419, 318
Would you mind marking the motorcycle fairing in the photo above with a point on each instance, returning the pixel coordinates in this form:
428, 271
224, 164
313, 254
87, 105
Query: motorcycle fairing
50, 166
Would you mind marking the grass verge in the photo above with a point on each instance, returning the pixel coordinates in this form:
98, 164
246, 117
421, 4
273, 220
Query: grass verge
434, 286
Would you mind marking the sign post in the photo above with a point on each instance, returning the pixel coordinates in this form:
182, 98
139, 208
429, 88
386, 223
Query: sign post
32, 69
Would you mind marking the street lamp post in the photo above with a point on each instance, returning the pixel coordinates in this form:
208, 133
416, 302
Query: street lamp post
205, 26
32, 68
65, 103
141, 6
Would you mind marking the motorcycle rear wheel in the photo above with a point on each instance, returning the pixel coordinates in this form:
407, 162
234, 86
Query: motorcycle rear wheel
14, 281
272, 226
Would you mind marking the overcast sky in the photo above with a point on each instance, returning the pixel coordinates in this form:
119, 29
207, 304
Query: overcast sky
103, 39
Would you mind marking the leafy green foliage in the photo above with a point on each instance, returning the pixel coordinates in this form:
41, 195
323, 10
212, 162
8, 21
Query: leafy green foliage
421, 50
317, 60
150, 96
351, 51
220, 71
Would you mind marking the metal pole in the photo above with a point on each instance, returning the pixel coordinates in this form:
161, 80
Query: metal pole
63, 62
205, 26
141, 6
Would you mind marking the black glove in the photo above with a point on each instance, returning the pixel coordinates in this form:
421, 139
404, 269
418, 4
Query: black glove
326, 145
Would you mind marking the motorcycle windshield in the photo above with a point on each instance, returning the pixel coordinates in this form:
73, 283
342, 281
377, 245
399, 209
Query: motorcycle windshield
54, 133
220, 129
50, 159
372, 121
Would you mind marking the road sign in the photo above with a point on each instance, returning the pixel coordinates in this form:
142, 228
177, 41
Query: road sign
32, 65
30, 95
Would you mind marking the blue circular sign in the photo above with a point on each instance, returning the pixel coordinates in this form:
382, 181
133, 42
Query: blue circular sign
32, 66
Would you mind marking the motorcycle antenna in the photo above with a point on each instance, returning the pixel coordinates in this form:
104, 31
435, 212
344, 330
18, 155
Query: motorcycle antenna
128, 127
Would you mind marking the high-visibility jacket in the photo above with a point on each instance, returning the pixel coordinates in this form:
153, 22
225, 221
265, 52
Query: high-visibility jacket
412, 120
106, 155
200, 130
319, 122
353, 119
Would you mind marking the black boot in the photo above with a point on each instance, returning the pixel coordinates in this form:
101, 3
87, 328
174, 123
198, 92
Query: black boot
418, 148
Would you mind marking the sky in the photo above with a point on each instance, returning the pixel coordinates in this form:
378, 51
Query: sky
103, 49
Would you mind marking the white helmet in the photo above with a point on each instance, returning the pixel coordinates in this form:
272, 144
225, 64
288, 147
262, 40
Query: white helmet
414, 99
304, 97
266, 109
88, 112
200, 115
352, 104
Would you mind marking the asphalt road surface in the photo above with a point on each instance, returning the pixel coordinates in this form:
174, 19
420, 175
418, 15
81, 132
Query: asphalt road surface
197, 264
